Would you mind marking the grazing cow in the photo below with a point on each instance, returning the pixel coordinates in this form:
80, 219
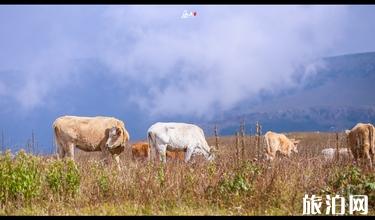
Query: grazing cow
279, 143
142, 150
330, 153
178, 137
361, 141
105, 134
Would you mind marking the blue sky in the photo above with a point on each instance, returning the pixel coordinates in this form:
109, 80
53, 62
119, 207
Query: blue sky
144, 64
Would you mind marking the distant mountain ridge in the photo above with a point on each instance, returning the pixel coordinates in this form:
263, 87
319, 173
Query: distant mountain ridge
335, 98
310, 119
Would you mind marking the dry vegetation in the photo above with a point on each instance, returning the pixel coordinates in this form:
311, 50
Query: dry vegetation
35, 185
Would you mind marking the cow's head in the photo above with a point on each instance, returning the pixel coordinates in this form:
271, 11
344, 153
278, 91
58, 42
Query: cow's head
115, 138
295, 144
347, 132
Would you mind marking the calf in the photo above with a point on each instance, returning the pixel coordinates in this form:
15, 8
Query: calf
279, 143
143, 150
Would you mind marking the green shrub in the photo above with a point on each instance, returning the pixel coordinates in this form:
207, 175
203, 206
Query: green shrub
351, 181
106, 180
235, 184
63, 177
20, 177
103, 181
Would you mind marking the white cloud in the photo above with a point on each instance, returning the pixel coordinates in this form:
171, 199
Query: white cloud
226, 54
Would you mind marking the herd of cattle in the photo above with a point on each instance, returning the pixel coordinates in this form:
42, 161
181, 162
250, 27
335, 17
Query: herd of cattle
181, 140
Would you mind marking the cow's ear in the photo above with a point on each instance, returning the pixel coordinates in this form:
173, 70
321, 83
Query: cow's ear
118, 131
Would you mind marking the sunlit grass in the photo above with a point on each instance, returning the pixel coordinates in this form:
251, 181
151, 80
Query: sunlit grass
37, 185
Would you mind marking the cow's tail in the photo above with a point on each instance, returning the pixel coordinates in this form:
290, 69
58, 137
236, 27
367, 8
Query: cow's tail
55, 141
268, 146
267, 150
150, 140
371, 134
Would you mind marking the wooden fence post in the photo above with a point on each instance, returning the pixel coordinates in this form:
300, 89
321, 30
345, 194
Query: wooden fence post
242, 129
257, 138
260, 138
237, 145
337, 146
216, 138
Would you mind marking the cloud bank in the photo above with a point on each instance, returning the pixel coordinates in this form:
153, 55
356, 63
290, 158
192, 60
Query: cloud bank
167, 65
219, 58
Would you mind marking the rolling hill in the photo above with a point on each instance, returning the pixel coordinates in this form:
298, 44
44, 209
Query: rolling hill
337, 96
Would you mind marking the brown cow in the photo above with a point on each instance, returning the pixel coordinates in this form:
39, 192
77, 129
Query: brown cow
279, 143
143, 150
176, 155
90, 134
361, 141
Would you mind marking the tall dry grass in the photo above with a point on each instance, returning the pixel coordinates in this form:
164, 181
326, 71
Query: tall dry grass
226, 186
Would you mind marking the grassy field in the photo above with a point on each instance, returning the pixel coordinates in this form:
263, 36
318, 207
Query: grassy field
231, 185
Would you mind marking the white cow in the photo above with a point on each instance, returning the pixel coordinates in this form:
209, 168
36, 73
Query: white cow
178, 137
329, 153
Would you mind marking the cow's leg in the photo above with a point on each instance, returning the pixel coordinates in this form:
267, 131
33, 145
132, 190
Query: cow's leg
189, 152
70, 151
361, 159
355, 156
162, 149
105, 156
267, 157
149, 154
368, 158
61, 151
270, 158
116, 157
273, 156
